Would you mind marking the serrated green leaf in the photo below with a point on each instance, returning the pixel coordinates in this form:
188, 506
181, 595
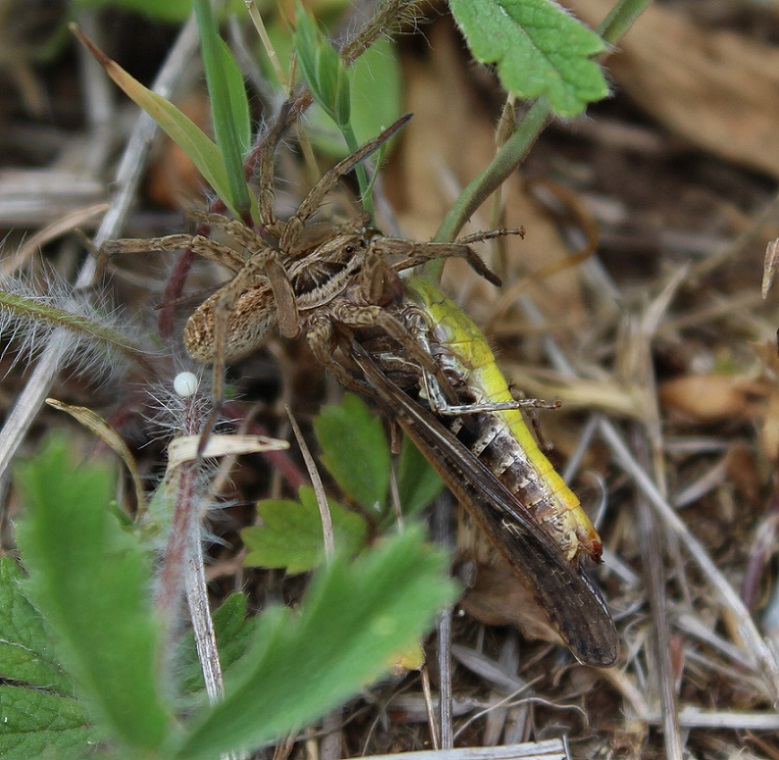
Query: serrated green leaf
539, 49
91, 582
291, 535
26, 653
355, 451
418, 482
352, 619
37, 724
38, 715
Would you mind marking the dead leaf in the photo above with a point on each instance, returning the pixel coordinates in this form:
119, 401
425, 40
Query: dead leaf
99, 427
717, 89
770, 432
496, 597
712, 397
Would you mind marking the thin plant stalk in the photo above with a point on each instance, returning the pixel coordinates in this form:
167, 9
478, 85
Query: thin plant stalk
514, 150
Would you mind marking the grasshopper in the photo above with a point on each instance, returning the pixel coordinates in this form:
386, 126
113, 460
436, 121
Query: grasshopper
466, 423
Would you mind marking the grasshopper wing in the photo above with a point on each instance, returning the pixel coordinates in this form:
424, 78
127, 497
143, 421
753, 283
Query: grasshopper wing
571, 600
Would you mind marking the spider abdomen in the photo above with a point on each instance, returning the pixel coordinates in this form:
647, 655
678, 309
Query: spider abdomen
250, 321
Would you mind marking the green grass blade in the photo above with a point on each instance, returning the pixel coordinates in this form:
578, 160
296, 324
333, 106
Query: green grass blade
183, 131
229, 106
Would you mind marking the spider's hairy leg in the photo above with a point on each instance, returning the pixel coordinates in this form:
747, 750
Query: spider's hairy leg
321, 341
410, 331
312, 201
478, 237
420, 253
167, 244
238, 231
378, 280
199, 244
221, 254
284, 298
357, 316
266, 193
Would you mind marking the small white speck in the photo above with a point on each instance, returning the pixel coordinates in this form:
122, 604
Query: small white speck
185, 384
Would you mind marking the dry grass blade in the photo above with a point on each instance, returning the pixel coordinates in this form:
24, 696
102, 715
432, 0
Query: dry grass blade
67, 223
553, 749
762, 658
319, 489
184, 448
769, 268
127, 178
99, 427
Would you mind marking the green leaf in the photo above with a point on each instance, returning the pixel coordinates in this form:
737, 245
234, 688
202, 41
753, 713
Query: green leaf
42, 725
539, 50
238, 100
355, 451
181, 129
301, 666
39, 714
322, 69
376, 71
26, 653
418, 482
229, 106
91, 582
377, 96
291, 535
325, 74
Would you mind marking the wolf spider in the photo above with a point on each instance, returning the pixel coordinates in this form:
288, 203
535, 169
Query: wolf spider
299, 277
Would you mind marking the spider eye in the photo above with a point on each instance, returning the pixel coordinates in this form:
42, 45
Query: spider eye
349, 249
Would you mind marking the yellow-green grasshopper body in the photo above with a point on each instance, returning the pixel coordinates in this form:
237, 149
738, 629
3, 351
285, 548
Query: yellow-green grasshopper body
491, 421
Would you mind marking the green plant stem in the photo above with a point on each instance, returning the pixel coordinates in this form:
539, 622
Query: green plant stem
620, 19
26, 309
514, 150
506, 160
270, 51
